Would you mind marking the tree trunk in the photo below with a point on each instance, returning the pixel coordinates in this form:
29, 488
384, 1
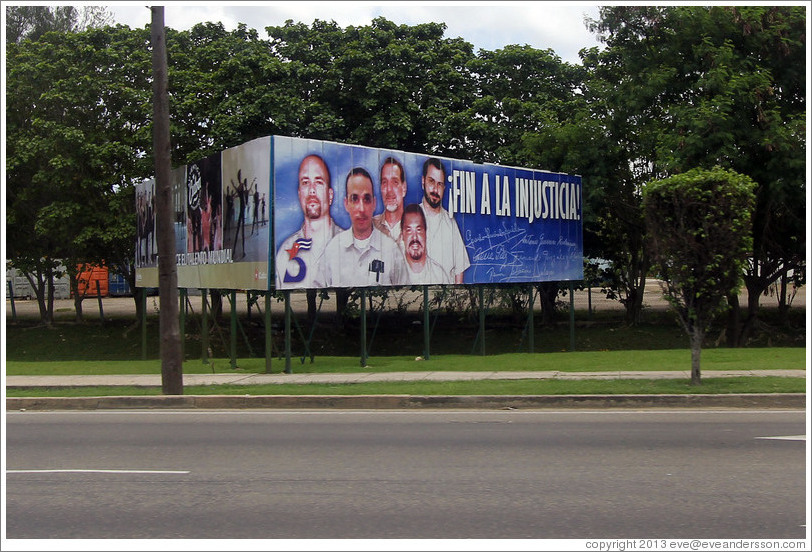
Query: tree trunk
634, 304
49, 297
783, 304
171, 358
548, 292
733, 320
38, 285
215, 304
342, 298
311, 305
78, 298
138, 294
754, 290
697, 337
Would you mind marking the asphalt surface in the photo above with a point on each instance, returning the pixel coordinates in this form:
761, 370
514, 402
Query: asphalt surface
687, 474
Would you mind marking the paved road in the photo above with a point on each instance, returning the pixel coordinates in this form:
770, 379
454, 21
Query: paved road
394, 474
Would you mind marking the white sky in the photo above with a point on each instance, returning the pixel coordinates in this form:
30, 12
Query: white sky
485, 24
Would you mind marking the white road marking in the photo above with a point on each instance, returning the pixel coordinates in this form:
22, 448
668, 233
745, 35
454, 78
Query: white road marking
176, 472
786, 438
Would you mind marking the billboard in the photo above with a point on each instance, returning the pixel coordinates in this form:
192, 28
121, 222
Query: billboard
292, 213
222, 221
351, 216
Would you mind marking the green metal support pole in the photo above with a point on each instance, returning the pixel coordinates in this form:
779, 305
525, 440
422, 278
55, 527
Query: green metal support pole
287, 332
268, 335
143, 323
11, 296
530, 323
233, 348
572, 317
182, 296
363, 327
204, 327
426, 328
482, 320
99, 296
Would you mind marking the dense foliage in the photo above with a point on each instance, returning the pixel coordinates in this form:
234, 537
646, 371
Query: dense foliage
675, 88
699, 227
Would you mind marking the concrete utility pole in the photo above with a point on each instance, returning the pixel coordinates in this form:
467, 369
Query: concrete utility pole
171, 358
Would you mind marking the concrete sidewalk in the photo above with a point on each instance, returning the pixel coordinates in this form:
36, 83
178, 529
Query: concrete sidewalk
154, 380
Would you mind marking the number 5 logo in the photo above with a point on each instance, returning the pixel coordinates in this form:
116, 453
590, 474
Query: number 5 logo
301, 244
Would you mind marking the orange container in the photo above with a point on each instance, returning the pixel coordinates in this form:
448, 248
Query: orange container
88, 279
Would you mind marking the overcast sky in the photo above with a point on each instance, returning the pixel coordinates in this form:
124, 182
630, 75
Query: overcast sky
485, 24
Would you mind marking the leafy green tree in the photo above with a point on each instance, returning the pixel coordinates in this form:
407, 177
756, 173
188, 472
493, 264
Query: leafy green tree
588, 138
31, 22
524, 96
699, 86
33, 252
382, 85
226, 88
74, 145
520, 92
699, 228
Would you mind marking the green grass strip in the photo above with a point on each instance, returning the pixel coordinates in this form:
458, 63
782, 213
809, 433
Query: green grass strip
773, 358
709, 385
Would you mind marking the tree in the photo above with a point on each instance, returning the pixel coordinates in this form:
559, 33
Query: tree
520, 92
76, 139
699, 227
381, 85
31, 22
696, 86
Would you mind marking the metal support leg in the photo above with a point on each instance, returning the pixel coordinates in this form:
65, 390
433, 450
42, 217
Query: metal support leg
233, 347
426, 328
572, 317
143, 323
530, 323
182, 296
363, 327
287, 332
204, 328
482, 320
268, 334
101, 308
13, 307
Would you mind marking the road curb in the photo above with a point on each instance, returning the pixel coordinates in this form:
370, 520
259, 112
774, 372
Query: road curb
408, 402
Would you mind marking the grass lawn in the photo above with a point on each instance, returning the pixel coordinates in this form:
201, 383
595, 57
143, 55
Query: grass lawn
603, 344
793, 358
710, 385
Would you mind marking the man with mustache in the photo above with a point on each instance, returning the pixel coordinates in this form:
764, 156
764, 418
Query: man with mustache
296, 257
362, 255
444, 240
422, 269
393, 190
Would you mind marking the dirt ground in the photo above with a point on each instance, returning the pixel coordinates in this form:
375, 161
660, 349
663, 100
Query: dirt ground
125, 307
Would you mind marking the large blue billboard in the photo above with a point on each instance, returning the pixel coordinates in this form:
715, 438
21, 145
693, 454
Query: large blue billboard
351, 216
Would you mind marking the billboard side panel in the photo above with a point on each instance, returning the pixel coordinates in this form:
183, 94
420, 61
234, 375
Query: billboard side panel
146, 248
